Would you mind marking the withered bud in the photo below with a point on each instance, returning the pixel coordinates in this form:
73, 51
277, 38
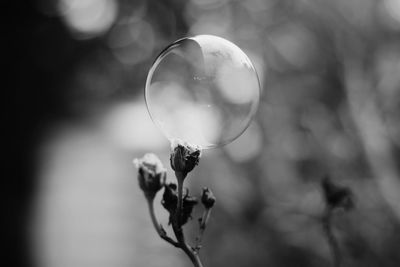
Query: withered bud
207, 198
170, 203
337, 196
188, 204
170, 198
151, 174
184, 157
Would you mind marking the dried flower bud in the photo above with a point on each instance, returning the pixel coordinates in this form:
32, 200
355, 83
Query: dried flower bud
170, 203
151, 174
207, 198
337, 196
184, 157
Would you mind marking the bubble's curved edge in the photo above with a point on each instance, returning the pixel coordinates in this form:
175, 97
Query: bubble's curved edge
253, 112
175, 142
154, 66
255, 105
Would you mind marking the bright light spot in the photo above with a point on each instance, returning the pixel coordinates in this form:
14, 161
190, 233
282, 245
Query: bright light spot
130, 127
196, 123
186, 120
235, 83
393, 8
87, 206
88, 18
132, 42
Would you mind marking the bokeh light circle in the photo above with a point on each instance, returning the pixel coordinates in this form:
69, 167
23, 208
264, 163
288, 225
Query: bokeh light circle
203, 90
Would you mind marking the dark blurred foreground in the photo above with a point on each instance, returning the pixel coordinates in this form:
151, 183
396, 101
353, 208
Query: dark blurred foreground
330, 72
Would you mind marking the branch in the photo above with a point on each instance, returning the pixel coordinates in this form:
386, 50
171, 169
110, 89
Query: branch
160, 230
203, 224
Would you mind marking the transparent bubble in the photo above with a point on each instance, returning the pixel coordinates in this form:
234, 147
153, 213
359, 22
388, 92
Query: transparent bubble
202, 90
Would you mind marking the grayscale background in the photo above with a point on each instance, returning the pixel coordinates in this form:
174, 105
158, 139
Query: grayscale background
330, 76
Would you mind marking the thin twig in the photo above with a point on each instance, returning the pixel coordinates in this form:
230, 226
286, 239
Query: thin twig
203, 224
333, 243
160, 230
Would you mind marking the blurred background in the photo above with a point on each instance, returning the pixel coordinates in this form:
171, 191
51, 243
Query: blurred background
330, 76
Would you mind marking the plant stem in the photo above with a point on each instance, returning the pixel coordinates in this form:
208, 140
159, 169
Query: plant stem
177, 225
180, 177
160, 230
333, 244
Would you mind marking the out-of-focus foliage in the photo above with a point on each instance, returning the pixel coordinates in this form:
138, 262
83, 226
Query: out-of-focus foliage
330, 76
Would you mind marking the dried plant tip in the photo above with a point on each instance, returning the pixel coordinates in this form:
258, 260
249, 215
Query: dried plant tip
337, 196
151, 174
207, 198
188, 204
184, 157
170, 202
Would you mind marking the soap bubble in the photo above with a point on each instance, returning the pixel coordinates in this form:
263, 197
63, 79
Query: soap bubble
202, 90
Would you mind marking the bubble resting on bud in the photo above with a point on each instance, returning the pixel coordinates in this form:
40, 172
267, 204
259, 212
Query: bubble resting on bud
184, 157
203, 90
178, 142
